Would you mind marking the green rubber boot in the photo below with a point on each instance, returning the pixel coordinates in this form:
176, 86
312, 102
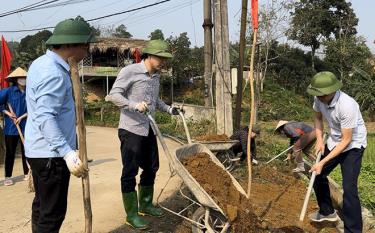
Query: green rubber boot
131, 208
146, 207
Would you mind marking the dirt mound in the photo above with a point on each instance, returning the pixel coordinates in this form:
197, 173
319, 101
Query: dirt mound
213, 137
276, 198
213, 180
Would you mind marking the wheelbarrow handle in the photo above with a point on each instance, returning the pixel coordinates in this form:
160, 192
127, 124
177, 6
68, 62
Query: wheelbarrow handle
160, 136
185, 126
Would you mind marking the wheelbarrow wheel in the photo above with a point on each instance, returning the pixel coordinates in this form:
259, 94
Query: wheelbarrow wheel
226, 158
216, 220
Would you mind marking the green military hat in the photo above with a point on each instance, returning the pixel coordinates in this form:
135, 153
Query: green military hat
324, 83
72, 31
158, 48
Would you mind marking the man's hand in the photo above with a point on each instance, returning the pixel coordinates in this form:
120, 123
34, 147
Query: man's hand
317, 168
74, 164
141, 107
175, 110
18, 120
319, 147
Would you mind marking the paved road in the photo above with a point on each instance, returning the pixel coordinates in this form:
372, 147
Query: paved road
105, 171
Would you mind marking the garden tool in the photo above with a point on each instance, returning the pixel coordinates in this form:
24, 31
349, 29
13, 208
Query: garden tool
30, 184
307, 197
283, 152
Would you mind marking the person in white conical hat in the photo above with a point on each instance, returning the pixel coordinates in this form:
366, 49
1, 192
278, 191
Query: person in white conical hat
302, 137
13, 105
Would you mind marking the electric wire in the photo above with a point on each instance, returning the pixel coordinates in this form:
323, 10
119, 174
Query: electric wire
89, 20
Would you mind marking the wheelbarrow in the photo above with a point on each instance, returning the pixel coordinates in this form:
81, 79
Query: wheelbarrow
220, 148
208, 216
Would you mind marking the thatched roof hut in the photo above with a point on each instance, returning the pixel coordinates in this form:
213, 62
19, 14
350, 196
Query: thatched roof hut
120, 44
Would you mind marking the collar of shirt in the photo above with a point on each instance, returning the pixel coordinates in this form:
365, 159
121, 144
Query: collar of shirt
143, 67
15, 88
145, 71
334, 100
54, 56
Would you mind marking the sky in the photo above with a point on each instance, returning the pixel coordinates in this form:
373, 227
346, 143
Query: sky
173, 17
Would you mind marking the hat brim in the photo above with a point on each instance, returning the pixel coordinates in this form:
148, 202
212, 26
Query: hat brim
324, 91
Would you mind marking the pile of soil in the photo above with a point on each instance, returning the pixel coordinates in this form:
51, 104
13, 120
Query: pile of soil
213, 179
213, 137
275, 202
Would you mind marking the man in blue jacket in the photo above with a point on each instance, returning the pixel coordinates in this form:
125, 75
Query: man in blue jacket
50, 135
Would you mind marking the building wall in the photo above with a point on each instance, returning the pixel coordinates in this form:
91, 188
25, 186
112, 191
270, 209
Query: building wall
196, 112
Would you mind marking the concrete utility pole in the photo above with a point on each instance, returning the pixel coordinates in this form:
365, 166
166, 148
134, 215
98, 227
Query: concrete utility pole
237, 117
207, 25
224, 116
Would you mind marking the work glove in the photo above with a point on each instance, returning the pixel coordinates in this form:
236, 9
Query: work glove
174, 110
74, 164
141, 107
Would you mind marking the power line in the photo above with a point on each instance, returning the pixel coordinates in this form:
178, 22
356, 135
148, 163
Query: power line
22, 7
28, 8
89, 20
123, 12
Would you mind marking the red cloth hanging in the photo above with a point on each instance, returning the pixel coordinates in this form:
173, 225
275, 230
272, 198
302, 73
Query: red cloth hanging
6, 60
254, 13
137, 55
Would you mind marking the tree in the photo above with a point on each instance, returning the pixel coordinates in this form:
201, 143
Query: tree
180, 48
96, 30
121, 32
350, 58
157, 34
30, 48
316, 20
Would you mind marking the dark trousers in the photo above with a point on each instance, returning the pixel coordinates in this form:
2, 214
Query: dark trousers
51, 181
350, 162
238, 148
138, 152
11, 142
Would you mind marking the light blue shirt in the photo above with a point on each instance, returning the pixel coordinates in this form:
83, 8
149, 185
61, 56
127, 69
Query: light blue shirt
343, 113
50, 128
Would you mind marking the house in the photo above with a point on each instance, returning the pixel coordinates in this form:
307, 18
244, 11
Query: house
106, 58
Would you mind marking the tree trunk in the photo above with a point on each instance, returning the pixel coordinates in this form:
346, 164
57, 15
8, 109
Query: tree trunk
237, 119
77, 89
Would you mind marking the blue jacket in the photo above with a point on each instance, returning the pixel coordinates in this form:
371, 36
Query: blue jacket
51, 126
16, 98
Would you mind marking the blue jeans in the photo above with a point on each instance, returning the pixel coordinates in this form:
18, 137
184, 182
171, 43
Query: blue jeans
350, 162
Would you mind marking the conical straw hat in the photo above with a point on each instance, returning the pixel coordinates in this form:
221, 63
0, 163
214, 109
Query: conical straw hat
19, 72
281, 123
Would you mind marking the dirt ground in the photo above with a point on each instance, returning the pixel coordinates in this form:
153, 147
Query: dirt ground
213, 137
105, 171
274, 205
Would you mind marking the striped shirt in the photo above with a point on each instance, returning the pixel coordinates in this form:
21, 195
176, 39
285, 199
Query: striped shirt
132, 86
343, 113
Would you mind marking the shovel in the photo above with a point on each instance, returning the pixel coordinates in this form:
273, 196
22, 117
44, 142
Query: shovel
279, 154
307, 197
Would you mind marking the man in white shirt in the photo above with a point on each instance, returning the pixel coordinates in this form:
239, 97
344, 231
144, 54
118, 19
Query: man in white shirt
345, 146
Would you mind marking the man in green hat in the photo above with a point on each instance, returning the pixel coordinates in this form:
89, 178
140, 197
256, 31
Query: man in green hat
345, 146
136, 91
50, 134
